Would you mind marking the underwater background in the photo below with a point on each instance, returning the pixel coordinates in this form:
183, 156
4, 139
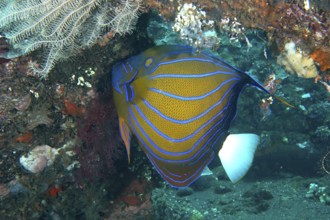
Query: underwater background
62, 156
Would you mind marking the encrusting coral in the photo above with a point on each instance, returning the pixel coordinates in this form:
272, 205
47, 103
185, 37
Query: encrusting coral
283, 21
322, 58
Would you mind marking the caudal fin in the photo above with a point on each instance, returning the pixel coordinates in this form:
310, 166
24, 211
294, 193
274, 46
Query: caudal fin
237, 154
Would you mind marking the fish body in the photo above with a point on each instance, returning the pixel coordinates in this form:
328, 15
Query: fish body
179, 104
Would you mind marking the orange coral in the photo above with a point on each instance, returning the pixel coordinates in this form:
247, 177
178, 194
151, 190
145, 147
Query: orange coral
73, 109
322, 57
24, 138
53, 191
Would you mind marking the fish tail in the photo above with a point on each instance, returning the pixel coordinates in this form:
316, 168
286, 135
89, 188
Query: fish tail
253, 82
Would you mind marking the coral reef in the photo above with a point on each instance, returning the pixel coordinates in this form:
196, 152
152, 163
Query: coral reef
52, 109
39, 158
4, 190
133, 201
318, 192
61, 28
322, 58
194, 28
38, 117
283, 21
100, 148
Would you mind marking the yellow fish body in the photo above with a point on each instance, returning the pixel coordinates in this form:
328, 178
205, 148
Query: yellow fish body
180, 106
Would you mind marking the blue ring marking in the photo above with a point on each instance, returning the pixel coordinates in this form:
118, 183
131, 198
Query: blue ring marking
201, 75
129, 81
185, 121
124, 67
189, 164
218, 131
175, 161
188, 136
159, 149
172, 153
130, 67
129, 92
204, 60
126, 93
216, 140
192, 98
193, 176
132, 93
189, 51
176, 175
170, 138
117, 88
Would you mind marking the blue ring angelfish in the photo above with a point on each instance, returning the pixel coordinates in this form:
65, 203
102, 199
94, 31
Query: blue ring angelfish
180, 105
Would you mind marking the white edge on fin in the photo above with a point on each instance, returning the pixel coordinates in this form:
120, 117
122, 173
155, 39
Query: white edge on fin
206, 172
237, 154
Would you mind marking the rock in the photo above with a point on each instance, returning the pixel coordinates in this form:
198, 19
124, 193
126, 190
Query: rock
38, 158
4, 190
221, 190
184, 192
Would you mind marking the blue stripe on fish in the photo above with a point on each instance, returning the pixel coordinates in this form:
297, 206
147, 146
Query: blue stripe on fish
206, 60
166, 75
137, 126
180, 139
177, 154
187, 120
192, 98
175, 177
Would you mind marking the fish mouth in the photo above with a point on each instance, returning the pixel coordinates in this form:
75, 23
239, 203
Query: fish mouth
118, 76
123, 75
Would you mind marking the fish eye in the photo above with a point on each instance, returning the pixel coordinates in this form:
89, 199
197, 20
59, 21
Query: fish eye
148, 62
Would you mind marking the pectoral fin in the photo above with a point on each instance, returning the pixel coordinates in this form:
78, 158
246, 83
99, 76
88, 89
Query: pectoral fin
125, 134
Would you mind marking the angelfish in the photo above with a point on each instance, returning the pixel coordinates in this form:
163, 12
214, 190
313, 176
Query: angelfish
179, 105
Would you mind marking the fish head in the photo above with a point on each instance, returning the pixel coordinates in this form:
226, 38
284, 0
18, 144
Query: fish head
129, 84
123, 76
131, 76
